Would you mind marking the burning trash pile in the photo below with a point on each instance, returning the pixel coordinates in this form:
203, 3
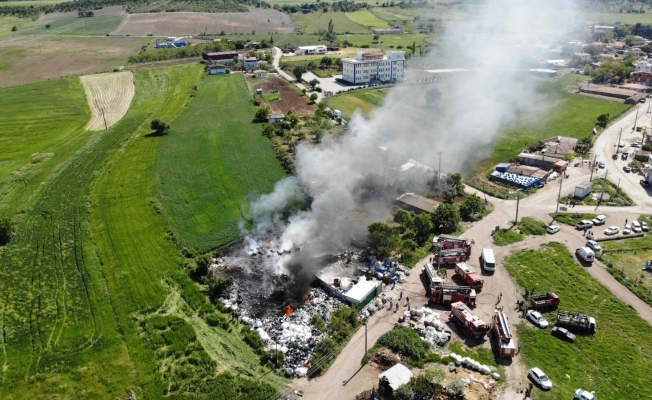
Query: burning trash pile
427, 323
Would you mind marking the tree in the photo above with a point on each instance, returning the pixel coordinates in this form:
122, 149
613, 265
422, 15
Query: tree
330, 35
422, 226
160, 127
7, 230
313, 83
383, 239
326, 61
472, 206
455, 180
268, 130
298, 71
14, 28
433, 97
603, 119
313, 97
403, 217
445, 218
48, 26
449, 195
404, 393
376, 38
262, 113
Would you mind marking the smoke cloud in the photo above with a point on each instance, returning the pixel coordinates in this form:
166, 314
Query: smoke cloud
352, 179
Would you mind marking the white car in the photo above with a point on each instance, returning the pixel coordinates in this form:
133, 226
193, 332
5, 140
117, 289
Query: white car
635, 144
612, 230
584, 224
593, 245
586, 254
645, 226
537, 319
581, 394
540, 378
627, 230
552, 229
621, 144
636, 227
599, 220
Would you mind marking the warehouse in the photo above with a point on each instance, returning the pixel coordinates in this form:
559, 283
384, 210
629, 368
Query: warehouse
416, 203
305, 50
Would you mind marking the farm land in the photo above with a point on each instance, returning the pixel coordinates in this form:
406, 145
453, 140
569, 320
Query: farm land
365, 100
592, 361
367, 18
317, 22
96, 26
290, 99
109, 96
207, 167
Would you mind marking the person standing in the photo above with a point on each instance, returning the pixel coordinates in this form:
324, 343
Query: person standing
401, 296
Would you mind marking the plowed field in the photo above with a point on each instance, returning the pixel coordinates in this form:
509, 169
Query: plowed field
188, 23
290, 99
109, 93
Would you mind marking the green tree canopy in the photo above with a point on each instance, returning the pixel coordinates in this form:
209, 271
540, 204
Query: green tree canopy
422, 226
7, 230
298, 71
445, 218
472, 206
383, 239
262, 113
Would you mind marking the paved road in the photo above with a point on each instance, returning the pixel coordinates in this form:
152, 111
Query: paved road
277, 53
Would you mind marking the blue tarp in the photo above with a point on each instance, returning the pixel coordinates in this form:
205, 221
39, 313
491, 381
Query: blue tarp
521, 181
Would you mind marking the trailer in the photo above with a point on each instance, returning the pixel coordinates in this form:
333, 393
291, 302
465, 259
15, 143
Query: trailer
469, 276
462, 316
545, 301
576, 321
445, 294
434, 279
446, 242
451, 256
503, 334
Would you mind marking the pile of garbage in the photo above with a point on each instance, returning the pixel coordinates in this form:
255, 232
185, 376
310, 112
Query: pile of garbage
292, 333
471, 364
387, 271
426, 321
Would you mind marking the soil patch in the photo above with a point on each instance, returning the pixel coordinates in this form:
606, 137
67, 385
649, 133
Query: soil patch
290, 98
109, 96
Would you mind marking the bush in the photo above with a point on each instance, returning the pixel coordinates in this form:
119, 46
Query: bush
406, 342
456, 388
531, 226
160, 127
7, 230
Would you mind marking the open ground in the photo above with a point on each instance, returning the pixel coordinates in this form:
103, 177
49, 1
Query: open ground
290, 98
262, 20
109, 96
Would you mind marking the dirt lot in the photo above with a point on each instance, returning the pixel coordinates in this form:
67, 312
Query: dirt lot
290, 98
188, 23
57, 57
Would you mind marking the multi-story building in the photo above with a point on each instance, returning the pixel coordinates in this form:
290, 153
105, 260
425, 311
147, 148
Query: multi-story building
367, 67
643, 72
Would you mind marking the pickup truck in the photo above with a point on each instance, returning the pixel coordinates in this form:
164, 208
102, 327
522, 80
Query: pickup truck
545, 301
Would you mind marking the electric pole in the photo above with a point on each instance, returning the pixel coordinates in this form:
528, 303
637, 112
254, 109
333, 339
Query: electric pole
648, 106
104, 118
619, 135
604, 183
593, 167
439, 172
518, 198
561, 182
365, 339
635, 119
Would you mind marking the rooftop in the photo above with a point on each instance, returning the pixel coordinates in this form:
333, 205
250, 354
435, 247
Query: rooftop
397, 376
419, 202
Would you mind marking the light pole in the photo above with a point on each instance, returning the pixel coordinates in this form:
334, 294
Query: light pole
518, 198
561, 182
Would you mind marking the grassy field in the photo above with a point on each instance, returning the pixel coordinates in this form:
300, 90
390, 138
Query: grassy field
611, 18
365, 100
318, 22
96, 26
366, 18
7, 22
568, 219
386, 40
594, 363
506, 237
28, 3
207, 167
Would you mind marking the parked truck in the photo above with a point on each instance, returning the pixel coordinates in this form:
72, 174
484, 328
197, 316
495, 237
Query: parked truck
546, 301
434, 279
503, 335
452, 294
451, 256
463, 317
469, 276
576, 321
446, 242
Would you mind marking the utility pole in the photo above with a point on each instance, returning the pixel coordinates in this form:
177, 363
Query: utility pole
618, 183
604, 183
648, 106
518, 198
439, 172
636, 119
561, 182
593, 167
365, 340
104, 118
619, 135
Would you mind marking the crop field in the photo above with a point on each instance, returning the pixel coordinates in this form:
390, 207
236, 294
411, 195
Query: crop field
96, 26
7, 22
290, 98
366, 18
32, 61
365, 100
109, 96
257, 20
207, 167
612, 18
386, 40
317, 23
594, 363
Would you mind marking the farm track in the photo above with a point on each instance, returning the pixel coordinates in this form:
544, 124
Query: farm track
109, 96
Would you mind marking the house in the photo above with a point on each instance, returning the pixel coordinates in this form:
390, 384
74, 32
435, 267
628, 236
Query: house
276, 118
392, 379
542, 162
307, 50
367, 67
642, 72
220, 56
583, 56
251, 62
557, 63
558, 146
259, 73
416, 203
634, 86
217, 69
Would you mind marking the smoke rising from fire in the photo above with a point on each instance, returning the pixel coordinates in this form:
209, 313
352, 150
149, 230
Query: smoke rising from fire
346, 177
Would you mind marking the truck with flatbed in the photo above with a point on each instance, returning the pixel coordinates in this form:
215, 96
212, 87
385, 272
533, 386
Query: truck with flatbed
462, 316
547, 301
469, 275
448, 294
576, 321
503, 334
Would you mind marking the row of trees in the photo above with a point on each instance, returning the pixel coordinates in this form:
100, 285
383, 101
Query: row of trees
611, 71
344, 6
181, 52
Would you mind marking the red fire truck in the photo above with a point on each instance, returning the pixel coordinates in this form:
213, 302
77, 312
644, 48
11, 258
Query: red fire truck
445, 242
453, 294
463, 317
503, 335
451, 256
469, 276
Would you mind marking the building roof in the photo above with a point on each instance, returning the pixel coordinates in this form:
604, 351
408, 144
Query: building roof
527, 170
315, 47
276, 116
538, 157
360, 291
251, 59
419, 202
633, 86
397, 376
217, 66
607, 90
259, 71
221, 53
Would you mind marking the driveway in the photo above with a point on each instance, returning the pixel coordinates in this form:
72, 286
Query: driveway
277, 53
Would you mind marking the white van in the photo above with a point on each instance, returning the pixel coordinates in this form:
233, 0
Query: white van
488, 260
586, 254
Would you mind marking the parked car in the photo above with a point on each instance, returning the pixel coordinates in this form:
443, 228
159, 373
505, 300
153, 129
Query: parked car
636, 227
599, 220
644, 183
601, 164
627, 168
621, 144
563, 333
624, 156
627, 230
644, 226
537, 319
581, 394
635, 144
552, 229
540, 378
593, 245
612, 230
586, 254
584, 224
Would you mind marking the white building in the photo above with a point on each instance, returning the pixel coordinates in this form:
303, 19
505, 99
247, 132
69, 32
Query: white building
368, 67
643, 66
583, 56
319, 49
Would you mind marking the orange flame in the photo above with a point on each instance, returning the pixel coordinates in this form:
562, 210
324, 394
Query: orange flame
289, 310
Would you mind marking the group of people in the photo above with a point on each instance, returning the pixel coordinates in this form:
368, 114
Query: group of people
407, 299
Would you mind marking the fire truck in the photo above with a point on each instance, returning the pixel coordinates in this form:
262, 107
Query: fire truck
469, 276
453, 294
445, 242
463, 317
452, 256
503, 334
434, 279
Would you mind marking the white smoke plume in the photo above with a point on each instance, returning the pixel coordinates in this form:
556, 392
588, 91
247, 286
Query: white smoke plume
494, 44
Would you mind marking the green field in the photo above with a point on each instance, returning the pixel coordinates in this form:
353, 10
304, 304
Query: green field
366, 18
7, 22
316, 22
592, 363
28, 3
366, 100
612, 18
207, 167
96, 26
386, 40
